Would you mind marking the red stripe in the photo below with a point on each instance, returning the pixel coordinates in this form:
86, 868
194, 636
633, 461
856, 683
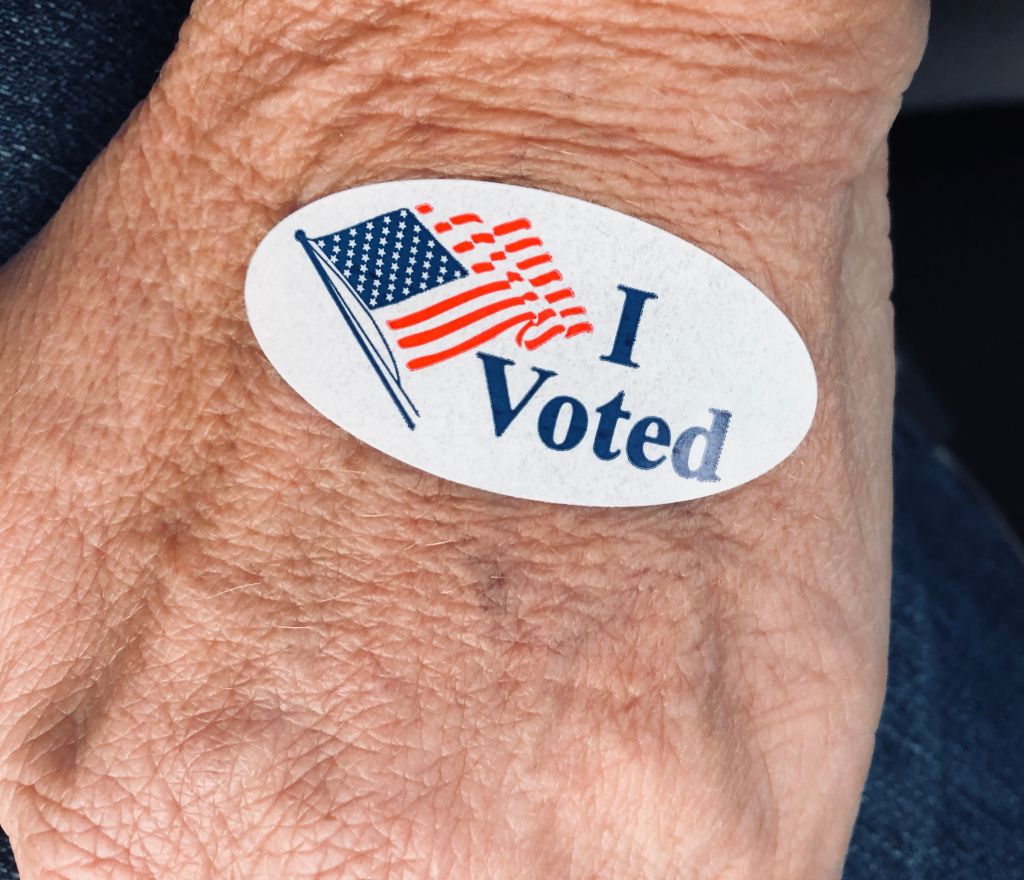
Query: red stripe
559, 295
511, 226
424, 208
482, 238
523, 243
534, 261
576, 329
573, 310
538, 319
479, 339
463, 246
498, 255
544, 314
434, 333
459, 219
446, 304
482, 267
546, 278
551, 332
442, 227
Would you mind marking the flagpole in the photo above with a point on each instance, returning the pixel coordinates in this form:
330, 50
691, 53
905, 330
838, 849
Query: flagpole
393, 386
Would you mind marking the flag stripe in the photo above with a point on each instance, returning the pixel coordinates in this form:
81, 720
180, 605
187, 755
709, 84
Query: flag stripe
468, 344
435, 333
534, 261
447, 304
546, 278
576, 329
522, 243
512, 226
550, 333
559, 295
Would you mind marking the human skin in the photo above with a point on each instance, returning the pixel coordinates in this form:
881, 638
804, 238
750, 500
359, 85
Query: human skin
237, 643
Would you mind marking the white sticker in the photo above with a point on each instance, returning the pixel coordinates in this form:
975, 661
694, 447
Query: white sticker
529, 343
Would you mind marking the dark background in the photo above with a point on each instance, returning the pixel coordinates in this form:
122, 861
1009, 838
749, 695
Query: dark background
71, 71
957, 180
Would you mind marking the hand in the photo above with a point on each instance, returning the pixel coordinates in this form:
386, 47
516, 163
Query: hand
237, 643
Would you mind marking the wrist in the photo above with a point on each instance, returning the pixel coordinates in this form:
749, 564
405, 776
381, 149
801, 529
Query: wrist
688, 119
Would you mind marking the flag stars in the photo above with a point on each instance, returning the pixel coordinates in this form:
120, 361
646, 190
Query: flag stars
382, 269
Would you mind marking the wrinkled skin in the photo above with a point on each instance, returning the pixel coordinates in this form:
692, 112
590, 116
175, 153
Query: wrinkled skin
237, 643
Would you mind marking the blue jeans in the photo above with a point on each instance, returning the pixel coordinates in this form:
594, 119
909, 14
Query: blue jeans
945, 797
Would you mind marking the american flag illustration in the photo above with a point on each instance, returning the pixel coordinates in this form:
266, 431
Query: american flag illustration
386, 273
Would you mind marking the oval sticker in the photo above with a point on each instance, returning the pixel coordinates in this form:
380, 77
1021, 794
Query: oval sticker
529, 343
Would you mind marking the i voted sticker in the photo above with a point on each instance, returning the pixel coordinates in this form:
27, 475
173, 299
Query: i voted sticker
529, 343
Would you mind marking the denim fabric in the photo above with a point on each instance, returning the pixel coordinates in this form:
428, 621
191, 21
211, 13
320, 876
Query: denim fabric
944, 796
70, 72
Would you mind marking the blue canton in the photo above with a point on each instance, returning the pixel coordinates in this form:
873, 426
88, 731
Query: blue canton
390, 258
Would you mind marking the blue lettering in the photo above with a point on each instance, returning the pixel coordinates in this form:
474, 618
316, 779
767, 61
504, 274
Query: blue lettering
629, 321
497, 389
574, 433
611, 414
714, 437
641, 436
